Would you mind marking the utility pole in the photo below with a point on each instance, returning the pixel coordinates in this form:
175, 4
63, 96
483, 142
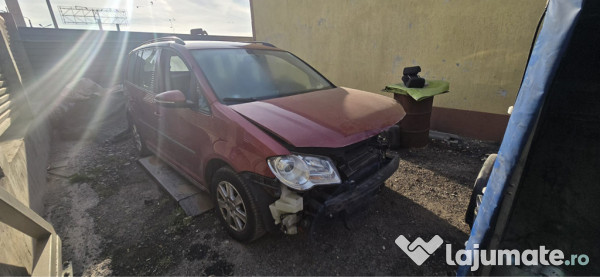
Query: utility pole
171, 20
52, 14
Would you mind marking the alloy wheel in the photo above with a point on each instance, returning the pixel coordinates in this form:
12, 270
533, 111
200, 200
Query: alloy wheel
232, 206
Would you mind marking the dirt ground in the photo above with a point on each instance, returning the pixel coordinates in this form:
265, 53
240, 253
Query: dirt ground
115, 220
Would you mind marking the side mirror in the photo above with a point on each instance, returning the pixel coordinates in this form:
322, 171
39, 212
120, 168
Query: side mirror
171, 99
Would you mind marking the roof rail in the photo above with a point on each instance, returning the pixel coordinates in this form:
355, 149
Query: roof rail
261, 42
169, 38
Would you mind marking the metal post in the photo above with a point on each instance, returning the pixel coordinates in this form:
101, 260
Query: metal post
52, 14
14, 8
97, 17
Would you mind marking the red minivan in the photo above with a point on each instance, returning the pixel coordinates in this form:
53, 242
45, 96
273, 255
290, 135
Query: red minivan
275, 143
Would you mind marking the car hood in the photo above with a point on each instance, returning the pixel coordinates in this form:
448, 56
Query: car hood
327, 118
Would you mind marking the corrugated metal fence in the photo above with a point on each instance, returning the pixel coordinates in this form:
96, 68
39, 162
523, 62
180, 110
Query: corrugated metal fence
97, 55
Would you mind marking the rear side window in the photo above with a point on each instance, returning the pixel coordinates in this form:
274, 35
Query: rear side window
131, 67
147, 69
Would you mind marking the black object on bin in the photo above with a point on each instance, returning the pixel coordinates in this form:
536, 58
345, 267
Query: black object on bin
411, 79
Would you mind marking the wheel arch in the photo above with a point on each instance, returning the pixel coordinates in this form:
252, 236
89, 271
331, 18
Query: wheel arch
211, 167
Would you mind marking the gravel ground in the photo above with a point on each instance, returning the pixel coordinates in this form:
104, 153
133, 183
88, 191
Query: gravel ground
115, 220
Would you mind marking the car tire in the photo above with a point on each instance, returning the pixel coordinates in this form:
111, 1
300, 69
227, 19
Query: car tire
478, 189
236, 206
139, 143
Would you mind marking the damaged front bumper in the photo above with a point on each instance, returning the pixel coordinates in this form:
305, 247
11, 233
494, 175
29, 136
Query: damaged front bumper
358, 194
348, 197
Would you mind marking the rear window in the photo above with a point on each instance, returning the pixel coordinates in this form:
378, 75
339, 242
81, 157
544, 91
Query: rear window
131, 66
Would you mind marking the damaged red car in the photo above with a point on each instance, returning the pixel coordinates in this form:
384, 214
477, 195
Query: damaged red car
275, 143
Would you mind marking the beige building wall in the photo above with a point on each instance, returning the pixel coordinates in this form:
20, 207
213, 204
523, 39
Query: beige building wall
480, 47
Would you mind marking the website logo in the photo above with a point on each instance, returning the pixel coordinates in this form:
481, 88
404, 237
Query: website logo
419, 250
528, 257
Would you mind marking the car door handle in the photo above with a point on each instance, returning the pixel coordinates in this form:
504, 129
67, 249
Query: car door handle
157, 113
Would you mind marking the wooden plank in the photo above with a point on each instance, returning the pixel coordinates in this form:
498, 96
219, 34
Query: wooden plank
5, 115
4, 121
15, 214
4, 98
4, 107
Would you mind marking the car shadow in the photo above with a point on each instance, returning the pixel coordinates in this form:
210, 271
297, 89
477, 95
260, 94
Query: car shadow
367, 248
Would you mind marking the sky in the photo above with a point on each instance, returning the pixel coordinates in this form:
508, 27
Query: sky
217, 17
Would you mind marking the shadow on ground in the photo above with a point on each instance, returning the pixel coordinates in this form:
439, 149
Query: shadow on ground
458, 160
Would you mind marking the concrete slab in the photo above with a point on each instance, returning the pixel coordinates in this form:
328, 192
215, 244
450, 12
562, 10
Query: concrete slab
192, 199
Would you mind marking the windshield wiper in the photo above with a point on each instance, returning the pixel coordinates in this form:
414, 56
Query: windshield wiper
240, 99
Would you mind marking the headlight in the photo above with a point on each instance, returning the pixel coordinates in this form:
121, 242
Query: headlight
303, 172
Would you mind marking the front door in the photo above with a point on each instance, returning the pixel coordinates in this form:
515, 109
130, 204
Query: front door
186, 136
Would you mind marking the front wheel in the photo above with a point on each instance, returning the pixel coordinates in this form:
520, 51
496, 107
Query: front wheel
236, 206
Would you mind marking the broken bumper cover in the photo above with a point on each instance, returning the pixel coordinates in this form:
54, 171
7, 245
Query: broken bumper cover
361, 192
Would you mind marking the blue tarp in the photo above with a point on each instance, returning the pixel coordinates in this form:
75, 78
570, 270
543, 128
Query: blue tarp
553, 39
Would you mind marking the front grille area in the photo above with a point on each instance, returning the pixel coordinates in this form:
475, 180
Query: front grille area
356, 161
360, 161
